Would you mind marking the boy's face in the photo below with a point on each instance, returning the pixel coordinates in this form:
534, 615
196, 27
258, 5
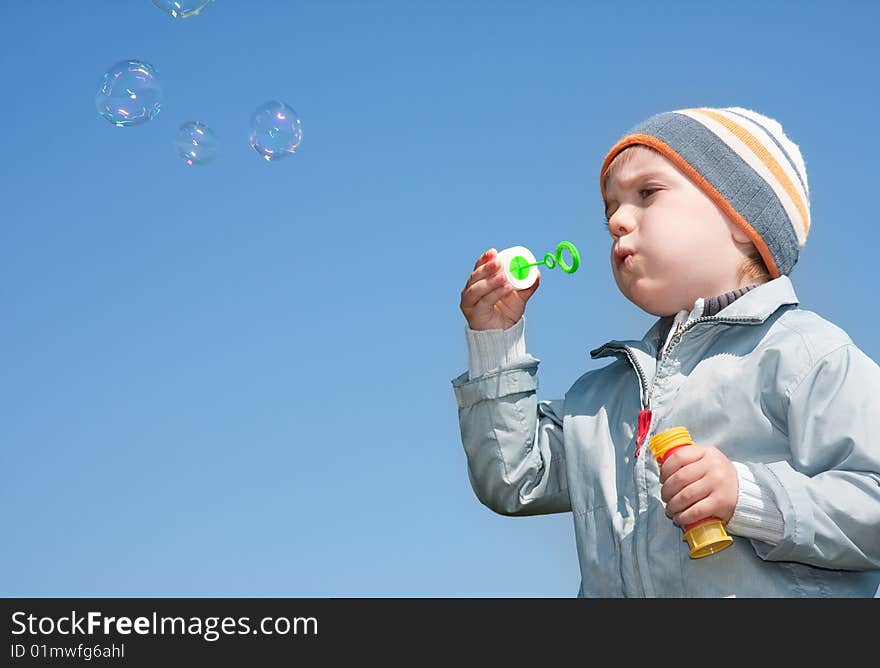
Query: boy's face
671, 243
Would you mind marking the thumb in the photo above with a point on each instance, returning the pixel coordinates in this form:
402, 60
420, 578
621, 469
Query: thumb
529, 291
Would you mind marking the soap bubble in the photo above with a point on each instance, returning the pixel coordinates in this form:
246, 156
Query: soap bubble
276, 130
181, 9
130, 93
196, 143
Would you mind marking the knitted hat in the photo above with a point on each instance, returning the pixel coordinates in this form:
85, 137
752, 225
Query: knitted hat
745, 164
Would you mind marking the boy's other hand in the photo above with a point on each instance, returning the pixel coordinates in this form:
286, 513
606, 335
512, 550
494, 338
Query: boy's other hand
488, 300
698, 481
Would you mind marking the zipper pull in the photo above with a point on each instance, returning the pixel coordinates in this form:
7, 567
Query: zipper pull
644, 426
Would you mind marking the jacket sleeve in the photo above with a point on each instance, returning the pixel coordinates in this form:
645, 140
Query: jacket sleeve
513, 442
829, 492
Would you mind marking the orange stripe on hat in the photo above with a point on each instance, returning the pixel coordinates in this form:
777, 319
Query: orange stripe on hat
765, 157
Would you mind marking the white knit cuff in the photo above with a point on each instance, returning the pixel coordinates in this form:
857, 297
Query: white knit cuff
490, 349
756, 514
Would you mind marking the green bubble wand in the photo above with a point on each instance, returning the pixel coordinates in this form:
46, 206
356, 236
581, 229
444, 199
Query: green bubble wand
518, 263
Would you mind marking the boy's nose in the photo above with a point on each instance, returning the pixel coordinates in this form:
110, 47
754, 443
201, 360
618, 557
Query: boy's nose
621, 222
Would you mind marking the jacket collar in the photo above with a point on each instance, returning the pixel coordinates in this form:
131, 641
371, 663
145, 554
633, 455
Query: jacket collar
762, 301
754, 307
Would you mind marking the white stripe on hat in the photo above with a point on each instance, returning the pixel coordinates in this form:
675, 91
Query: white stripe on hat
748, 155
775, 127
763, 132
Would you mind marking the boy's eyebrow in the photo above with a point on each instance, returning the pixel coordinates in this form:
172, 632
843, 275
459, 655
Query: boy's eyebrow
638, 176
646, 173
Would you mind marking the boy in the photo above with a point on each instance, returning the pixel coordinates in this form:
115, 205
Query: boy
707, 210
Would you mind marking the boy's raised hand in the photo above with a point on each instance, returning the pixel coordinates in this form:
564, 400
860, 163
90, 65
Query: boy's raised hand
488, 300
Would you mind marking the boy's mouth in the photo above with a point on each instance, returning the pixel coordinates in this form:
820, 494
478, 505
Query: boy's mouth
621, 256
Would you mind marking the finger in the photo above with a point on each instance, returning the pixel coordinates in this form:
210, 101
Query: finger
679, 458
686, 475
687, 497
488, 255
497, 295
698, 511
494, 295
485, 269
478, 291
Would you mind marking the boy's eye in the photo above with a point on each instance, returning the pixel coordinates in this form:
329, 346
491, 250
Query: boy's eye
644, 192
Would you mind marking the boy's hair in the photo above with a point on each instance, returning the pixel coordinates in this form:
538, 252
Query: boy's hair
742, 161
752, 266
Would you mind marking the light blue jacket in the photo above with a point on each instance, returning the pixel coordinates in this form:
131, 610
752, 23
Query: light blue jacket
773, 386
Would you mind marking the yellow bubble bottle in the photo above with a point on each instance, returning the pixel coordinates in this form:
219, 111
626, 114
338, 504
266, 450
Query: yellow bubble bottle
706, 536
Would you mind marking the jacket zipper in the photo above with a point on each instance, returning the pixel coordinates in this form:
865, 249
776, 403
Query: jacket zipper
644, 420
706, 318
645, 415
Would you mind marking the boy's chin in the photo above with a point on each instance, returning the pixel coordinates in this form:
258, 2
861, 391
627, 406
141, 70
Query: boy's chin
652, 304
659, 312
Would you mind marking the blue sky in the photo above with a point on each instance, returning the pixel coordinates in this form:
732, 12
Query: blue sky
234, 379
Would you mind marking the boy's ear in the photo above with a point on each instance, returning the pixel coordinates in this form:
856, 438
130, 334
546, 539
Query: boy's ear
739, 234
